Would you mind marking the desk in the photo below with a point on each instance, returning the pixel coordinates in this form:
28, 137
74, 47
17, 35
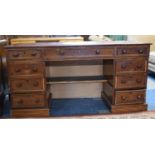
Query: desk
45, 39
124, 76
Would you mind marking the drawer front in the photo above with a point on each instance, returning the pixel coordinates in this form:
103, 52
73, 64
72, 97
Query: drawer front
74, 53
130, 97
132, 51
17, 68
130, 81
28, 101
24, 54
131, 65
27, 84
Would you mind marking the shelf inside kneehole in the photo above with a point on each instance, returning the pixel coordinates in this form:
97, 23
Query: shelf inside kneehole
80, 79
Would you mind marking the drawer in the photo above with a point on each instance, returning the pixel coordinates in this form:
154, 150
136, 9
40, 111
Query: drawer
18, 68
28, 100
132, 51
27, 84
130, 97
24, 54
74, 53
131, 65
130, 81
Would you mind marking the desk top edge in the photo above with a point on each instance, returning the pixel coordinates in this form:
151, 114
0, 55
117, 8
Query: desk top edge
72, 44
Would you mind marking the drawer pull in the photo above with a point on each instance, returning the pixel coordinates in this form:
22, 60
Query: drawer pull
19, 85
138, 81
18, 70
98, 51
123, 66
20, 102
16, 55
123, 81
34, 70
124, 51
34, 54
123, 98
141, 51
139, 66
37, 100
61, 52
35, 84
139, 97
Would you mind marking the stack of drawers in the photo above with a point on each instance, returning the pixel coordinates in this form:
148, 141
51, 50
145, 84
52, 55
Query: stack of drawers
27, 83
126, 90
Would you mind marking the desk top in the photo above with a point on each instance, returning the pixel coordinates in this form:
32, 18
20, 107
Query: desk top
82, 43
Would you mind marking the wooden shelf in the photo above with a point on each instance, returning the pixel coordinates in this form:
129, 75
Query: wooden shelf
81, 79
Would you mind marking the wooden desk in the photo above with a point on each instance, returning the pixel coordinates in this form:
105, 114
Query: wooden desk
124, 73
45, 39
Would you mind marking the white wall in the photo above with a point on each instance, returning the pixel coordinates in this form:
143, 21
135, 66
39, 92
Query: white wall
143, 38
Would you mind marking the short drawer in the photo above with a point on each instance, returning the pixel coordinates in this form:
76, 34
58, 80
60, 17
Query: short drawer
131, 65
130, 97
132, 51
19, 68
72, 53
130, 81
24, 54
28, 100
27, 84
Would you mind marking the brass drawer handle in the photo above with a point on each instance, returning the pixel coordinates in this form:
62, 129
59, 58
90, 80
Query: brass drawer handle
123, 98
34, 70
37, 101
61, 52
139, 97
34, 54
123, 66
19, 85
141, 51
16, 55
138, 80
124, 51
123, 81
17, 70
139, 66
97, 51
36, 84
20, 101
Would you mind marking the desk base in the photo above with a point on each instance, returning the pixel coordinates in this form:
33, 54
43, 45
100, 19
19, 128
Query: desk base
29, 113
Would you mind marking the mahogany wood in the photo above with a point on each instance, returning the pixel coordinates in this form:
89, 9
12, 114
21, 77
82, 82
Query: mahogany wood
124, 71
